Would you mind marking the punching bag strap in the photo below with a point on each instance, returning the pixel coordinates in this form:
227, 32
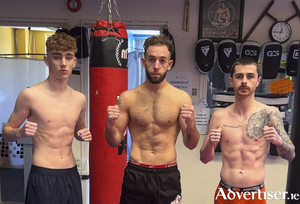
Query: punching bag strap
105, 28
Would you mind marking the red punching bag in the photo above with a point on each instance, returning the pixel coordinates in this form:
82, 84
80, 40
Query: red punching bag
108, 79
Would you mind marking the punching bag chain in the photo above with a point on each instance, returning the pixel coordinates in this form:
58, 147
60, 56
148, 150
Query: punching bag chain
109, 13
101, 7
117, 11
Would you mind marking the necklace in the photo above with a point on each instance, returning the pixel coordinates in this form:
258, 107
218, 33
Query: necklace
241, 122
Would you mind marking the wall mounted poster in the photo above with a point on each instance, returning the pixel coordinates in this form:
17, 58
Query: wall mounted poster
221, 19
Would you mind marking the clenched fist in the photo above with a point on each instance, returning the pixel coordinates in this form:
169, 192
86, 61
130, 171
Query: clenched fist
28, 130
113, 113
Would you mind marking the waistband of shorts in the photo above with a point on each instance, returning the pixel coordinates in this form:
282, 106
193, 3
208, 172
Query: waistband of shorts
152, 166
53, 172
244, 189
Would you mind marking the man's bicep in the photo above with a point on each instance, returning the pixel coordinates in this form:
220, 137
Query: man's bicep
210, 126
182, 125
81, 121
20, 113
186, 99
122, 122
282, 132
277, 122
214, 121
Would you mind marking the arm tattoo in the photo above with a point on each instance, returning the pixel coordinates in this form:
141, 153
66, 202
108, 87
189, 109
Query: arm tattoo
119, 101
256, 123
286, 150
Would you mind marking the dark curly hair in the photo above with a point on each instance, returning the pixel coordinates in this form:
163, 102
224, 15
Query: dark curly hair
159, 40
61, 41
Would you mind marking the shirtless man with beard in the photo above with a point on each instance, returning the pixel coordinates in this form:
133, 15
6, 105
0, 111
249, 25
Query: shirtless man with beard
154, 112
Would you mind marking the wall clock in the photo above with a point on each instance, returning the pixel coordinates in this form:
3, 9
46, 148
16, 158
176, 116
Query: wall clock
280, 31
74, 5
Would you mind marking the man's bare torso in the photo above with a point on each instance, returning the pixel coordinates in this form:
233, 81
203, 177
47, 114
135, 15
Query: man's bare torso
154, 125
243, 150
56, 116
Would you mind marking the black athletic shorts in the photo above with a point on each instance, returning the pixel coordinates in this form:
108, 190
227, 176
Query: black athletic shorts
53, 186
151, 185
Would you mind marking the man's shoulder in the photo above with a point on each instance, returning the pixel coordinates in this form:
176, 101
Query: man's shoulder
221, 112
129, 93
78, 96
178, 92
140, 89
29, 91
262, 106
34, 89
127, 97
77, 93
181, 96
272, 110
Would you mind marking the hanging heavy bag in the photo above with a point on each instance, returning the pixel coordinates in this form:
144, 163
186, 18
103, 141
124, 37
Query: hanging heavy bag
108, 79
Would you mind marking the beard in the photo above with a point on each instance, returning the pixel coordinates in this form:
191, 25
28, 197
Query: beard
155, 80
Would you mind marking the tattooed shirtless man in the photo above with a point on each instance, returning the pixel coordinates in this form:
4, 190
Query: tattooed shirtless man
245, 130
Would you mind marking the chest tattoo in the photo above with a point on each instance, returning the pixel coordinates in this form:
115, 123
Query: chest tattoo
230, 126
256, 123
